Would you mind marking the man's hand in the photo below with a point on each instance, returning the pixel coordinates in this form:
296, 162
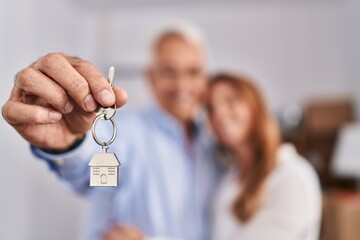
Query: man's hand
53, 101
121, 232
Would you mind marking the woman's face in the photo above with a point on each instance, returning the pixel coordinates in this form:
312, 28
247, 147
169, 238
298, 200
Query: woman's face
230, 116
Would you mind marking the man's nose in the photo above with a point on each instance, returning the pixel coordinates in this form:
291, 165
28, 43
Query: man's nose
182, 81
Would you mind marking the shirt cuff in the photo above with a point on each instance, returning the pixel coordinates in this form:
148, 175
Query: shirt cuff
81, 152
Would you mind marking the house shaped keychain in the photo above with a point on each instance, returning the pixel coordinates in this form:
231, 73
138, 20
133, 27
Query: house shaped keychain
104, 167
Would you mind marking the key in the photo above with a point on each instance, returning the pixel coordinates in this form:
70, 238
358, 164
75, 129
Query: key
109, 112
104, 167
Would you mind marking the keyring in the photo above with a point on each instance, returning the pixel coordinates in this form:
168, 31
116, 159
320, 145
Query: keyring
107, 112
104, 167
103, 144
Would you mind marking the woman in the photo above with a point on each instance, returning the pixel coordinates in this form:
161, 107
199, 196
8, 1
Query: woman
270, 192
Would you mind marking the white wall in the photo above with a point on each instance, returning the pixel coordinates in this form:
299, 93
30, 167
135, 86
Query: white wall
296, 51
32, 204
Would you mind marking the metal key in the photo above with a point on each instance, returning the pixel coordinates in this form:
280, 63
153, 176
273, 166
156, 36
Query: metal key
104, 167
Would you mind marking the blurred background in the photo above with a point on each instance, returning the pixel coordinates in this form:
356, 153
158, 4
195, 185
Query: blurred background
304, 54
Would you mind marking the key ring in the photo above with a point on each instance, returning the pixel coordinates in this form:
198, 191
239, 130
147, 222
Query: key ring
103, 144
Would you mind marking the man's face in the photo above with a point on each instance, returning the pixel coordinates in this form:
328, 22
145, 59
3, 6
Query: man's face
177, 77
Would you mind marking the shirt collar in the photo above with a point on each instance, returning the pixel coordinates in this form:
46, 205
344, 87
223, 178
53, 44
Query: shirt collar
169, 123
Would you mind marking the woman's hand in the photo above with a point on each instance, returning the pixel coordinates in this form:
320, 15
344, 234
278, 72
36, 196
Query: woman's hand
123, 232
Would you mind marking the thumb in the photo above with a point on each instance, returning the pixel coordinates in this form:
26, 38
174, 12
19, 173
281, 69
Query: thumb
121, 96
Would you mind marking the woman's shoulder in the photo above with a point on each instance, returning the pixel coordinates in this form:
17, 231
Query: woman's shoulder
293, 177
293, 166
293, 187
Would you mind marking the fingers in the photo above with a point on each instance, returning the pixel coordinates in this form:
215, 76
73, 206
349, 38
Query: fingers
56, 77
104, 94
17, 113
37, 84
99, 85
121, 232
129, 232
134, 233
61, 71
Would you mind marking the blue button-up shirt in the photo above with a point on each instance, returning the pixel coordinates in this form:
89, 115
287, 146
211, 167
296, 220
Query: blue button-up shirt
165, 182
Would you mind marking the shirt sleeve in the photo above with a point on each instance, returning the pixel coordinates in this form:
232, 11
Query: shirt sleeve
72, 167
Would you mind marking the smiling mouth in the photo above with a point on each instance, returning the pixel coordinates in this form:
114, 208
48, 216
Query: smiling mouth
224, 126
180, 98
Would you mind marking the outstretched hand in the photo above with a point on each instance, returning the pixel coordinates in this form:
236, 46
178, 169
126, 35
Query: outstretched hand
53, 101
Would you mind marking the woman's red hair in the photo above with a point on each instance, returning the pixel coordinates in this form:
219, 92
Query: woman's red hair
264, 138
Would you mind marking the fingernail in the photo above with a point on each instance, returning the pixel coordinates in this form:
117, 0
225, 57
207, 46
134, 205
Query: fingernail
68, 107
90, 103
107, 97
55, 116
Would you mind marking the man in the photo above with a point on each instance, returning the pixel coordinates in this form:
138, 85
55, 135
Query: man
168, 170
